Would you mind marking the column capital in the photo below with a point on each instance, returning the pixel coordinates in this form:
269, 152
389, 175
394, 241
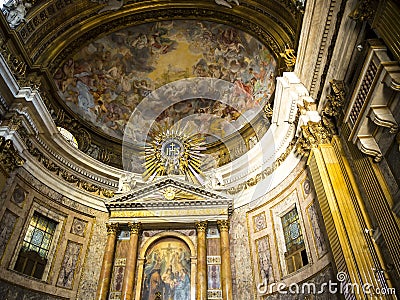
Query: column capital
201, 226
135, 228
112, 228
223, 225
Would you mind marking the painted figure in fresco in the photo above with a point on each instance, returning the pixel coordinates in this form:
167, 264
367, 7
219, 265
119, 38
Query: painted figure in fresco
107, 79
169, 284
167, 271
182, 286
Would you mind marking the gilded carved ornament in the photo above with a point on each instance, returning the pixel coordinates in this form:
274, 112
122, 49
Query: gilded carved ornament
335, 100
9, 157
289, 58
314, 133
223, 225
135, 228
364, 11
19, 68
112, 228
16, 64
60, 171
201, 226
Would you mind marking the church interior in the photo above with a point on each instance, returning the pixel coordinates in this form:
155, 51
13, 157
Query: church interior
195, 150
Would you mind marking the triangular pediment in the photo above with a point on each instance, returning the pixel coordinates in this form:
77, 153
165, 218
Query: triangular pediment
168, 192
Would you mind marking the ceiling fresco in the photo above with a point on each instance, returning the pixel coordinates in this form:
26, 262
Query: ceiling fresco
108, 78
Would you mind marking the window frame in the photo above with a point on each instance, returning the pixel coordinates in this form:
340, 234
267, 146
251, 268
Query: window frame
54, 216
277, 212
294, 253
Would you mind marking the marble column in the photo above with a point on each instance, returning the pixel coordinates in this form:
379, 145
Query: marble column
131, 260
201, 285
226, 274
108, 260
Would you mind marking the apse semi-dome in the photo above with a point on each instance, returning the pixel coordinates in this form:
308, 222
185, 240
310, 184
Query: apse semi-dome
106, 80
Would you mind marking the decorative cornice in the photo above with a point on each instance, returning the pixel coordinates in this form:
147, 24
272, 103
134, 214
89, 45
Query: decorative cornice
9, 157
59, 171
265, 173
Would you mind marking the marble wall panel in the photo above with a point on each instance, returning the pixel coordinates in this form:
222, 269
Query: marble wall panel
316, 223
69, 265
19, 195
7, 225
240, 256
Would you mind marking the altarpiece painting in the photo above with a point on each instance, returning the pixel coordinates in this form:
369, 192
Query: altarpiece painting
167, 270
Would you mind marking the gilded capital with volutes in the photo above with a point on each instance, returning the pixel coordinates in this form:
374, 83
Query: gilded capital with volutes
201, 226
112, 228
135, 228
223, 225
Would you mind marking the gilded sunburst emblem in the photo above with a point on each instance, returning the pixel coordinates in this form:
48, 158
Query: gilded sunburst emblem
173, 151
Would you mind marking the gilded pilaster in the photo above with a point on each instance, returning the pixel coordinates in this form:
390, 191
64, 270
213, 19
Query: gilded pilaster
201, 287
131, 260
108, 258
344, 216
226, 273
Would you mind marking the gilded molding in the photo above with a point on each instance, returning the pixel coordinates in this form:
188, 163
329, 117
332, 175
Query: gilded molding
16, 64
201, 226
112, 228
223, 225
9, 157
135, 228
60, 172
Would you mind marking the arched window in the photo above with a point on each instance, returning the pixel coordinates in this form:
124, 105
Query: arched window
68, 136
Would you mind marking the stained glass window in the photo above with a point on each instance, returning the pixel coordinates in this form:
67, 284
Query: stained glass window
295, 255
292, 231
39, 234
35, 248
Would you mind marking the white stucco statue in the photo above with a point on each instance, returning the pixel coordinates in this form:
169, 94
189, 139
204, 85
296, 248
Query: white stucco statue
213, 180
15, 12
126, 183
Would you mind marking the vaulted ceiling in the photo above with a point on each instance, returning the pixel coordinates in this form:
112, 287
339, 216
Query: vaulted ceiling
97, 60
